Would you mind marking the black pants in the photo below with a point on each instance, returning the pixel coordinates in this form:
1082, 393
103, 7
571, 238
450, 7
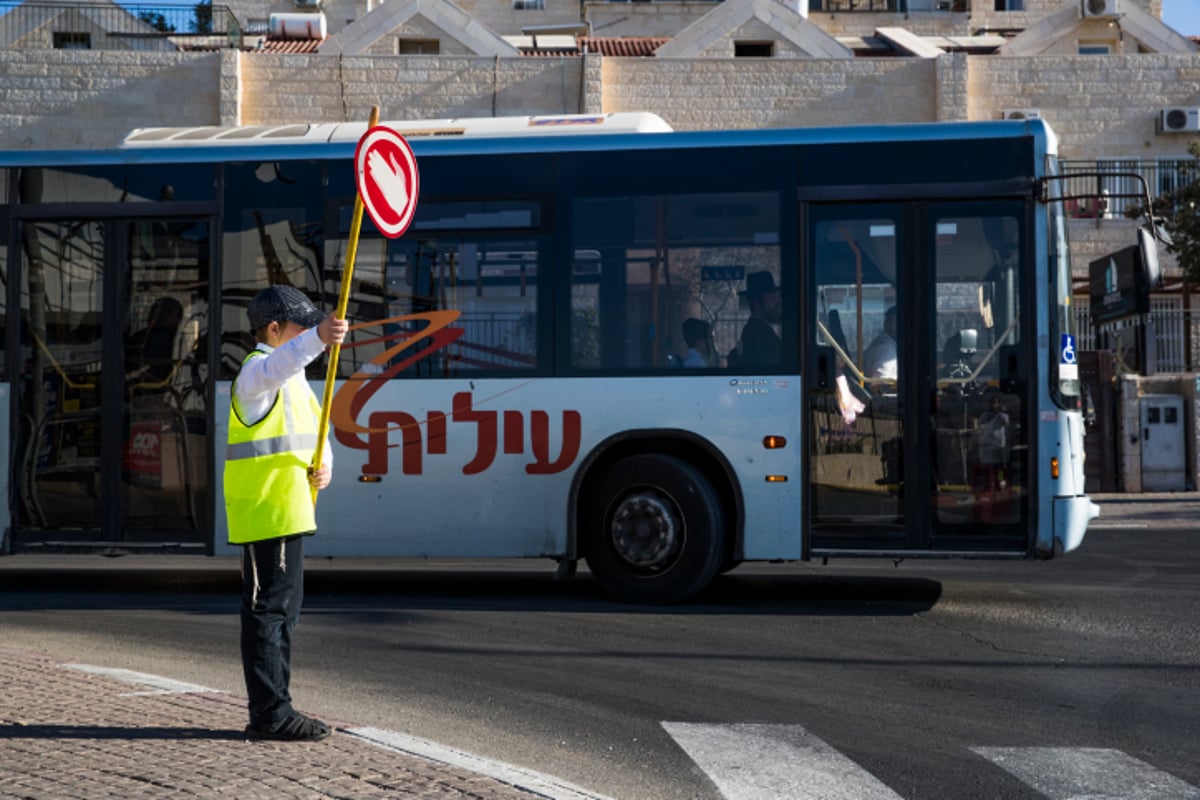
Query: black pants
272, 592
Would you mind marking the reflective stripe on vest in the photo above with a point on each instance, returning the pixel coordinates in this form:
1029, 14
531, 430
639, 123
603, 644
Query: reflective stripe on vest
267, 493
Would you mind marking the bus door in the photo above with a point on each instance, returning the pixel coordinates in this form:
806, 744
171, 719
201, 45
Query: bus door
112, 444
917, 429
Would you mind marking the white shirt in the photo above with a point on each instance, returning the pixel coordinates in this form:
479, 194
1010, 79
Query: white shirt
261, 378
879, 359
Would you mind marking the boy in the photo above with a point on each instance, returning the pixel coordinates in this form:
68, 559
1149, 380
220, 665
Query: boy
268, 496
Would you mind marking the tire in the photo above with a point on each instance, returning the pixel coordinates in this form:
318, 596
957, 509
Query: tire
652, 529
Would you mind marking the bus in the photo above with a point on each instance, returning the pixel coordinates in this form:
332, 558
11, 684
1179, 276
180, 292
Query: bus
517, 382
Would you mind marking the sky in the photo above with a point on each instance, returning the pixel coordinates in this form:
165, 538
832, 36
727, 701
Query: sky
1183, 16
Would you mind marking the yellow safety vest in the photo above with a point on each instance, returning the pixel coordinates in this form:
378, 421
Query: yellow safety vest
267, 493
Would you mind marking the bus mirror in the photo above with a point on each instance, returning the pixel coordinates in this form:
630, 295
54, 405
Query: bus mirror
1151, 274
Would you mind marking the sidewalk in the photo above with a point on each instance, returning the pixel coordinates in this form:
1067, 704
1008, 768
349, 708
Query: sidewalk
66, 733
1151, 510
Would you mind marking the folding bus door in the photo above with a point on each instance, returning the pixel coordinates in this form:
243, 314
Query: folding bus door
112, 443
918, 429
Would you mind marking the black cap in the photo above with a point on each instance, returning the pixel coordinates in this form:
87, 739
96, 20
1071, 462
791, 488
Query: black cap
758, 284
283, 304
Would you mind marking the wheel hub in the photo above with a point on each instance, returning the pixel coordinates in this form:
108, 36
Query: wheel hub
646, 531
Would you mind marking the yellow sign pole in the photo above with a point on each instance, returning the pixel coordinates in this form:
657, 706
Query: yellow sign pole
343, 303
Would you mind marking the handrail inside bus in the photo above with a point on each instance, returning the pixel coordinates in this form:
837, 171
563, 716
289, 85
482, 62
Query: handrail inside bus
974, 376
859, 377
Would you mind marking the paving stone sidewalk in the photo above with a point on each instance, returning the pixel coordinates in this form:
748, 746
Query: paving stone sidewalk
67, 733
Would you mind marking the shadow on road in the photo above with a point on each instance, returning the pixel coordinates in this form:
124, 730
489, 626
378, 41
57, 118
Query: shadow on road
119, 732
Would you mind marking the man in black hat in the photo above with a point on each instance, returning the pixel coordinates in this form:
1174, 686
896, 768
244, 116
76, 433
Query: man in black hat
268, 496
759, 345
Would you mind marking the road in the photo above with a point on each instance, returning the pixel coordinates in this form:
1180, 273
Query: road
927, 679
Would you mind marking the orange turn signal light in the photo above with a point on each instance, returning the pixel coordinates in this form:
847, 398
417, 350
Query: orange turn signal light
777, 479
774, 442
1054, 467
369, 479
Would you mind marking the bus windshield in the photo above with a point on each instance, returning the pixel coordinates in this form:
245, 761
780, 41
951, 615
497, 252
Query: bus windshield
1064, 372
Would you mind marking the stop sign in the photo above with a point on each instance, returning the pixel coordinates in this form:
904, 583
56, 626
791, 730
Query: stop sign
386, 174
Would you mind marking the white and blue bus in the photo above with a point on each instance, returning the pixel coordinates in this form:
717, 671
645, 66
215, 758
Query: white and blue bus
517, 382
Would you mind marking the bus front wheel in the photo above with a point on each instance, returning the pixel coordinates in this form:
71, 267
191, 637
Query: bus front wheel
652, 529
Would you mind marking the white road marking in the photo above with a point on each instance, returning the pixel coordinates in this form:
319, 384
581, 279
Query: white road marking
157, 683
538, 783
767, 762
1062, 773
543, 785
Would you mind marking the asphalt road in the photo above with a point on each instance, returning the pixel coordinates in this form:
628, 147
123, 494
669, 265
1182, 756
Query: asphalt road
931, 679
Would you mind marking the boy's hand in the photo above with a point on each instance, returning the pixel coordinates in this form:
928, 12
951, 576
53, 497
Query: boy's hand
332, 330
320, 478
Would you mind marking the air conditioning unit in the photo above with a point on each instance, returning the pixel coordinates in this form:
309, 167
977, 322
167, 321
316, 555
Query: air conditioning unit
1021, 113
1179, 120
1101, 8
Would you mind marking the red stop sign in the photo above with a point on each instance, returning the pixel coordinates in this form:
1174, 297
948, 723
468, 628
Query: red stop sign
386, 174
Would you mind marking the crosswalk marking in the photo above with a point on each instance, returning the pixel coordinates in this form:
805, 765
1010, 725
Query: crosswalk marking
1062, 773
767, 762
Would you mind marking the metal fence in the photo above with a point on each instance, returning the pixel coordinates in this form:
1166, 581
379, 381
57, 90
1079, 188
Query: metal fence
1176, 332
1105, 193
73, 24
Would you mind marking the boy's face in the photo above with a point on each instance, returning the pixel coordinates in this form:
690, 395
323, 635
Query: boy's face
278, 333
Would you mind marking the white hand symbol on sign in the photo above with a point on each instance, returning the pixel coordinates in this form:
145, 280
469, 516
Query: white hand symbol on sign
389, 180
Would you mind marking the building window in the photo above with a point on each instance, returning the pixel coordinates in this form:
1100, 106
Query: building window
753, 49
72, 41
1010, 5
1095, 48
528, 5
416, 47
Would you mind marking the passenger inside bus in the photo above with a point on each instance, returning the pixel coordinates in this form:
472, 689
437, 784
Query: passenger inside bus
697, 335
150, 355
759, 344
992, 440
879, 359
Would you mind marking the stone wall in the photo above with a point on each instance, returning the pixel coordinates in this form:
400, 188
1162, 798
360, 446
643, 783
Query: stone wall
1100, 106
699, 94
331, 89
82, 98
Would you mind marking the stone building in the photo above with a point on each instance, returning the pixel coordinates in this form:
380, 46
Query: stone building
1119, 87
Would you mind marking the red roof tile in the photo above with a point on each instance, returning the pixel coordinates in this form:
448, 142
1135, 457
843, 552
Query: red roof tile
623, 46
290, 46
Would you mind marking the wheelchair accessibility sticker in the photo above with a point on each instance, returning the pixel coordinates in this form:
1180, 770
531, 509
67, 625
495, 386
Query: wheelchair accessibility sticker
1068, 366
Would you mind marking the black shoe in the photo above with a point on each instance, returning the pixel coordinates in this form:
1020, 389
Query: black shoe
296, 728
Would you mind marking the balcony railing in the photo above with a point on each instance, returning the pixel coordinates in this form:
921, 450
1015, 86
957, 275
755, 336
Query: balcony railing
894, 6
1105, 188
73, 25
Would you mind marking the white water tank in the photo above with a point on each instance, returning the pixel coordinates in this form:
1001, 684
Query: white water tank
297, 25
